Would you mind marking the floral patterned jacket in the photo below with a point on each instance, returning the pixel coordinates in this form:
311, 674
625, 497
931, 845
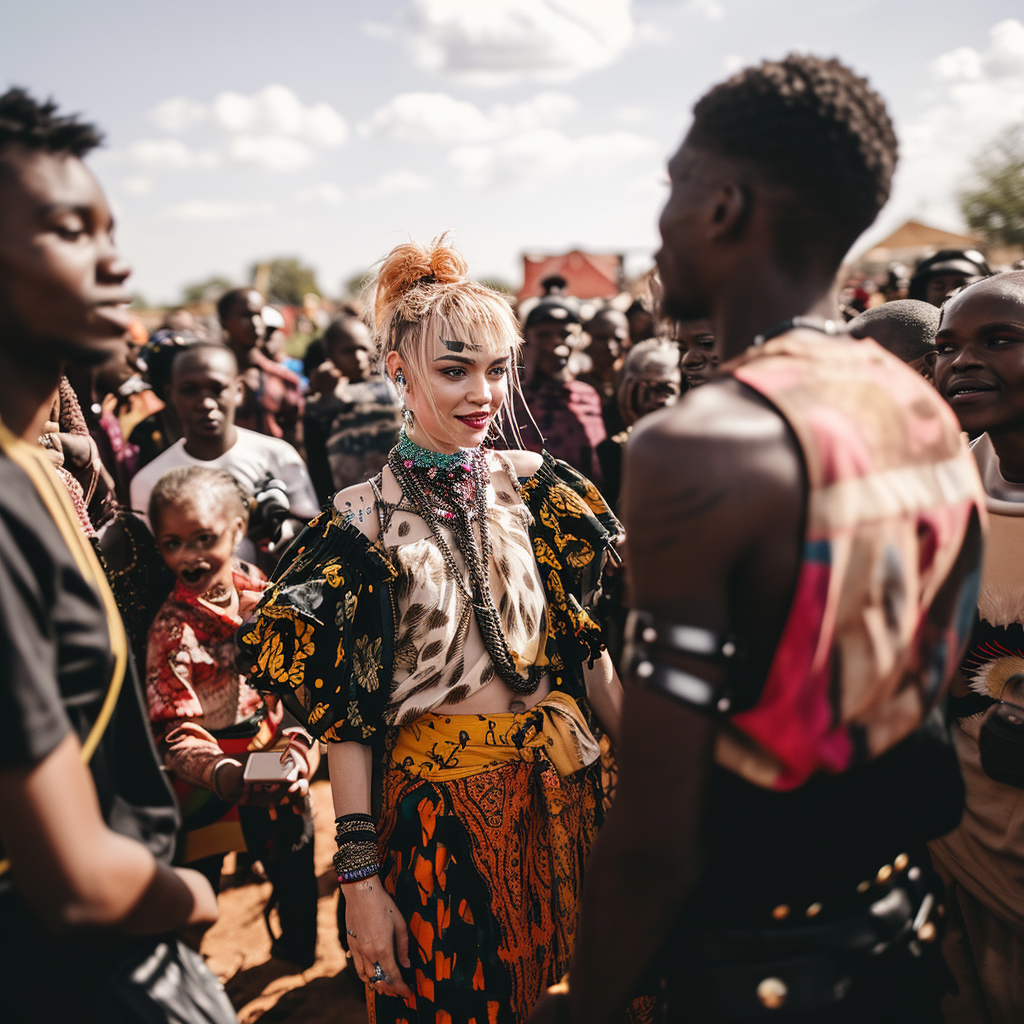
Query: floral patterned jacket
322, 638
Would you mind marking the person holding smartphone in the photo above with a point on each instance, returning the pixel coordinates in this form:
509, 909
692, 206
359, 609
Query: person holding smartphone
208, 721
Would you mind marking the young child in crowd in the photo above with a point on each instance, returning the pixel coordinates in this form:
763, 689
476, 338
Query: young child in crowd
979, 370
206, 718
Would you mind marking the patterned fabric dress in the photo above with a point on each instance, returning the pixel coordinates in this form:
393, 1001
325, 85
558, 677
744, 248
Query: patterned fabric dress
201, 708
487, 820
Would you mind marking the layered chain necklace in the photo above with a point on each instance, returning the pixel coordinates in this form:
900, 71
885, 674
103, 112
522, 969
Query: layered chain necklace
450, 490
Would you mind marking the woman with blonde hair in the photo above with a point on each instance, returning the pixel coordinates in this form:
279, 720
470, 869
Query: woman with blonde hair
434, 629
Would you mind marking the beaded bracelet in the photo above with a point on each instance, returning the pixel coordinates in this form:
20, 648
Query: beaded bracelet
358, 856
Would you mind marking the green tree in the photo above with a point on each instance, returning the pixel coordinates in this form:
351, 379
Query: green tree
357, 282
287, 280
498, 285
205, 291
994, 205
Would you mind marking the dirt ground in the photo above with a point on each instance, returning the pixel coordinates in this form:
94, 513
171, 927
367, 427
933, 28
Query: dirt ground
266, 989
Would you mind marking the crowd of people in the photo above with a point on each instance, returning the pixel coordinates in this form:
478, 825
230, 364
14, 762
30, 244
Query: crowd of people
420, 560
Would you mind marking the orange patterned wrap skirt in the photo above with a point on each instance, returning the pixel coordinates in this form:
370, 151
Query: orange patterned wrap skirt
486, 827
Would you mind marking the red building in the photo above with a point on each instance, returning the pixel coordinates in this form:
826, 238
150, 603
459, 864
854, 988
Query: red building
588, 275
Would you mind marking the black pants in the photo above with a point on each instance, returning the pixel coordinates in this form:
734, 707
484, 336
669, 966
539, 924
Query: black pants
285, 846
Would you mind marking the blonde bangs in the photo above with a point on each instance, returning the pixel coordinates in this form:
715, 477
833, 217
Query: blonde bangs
421, 294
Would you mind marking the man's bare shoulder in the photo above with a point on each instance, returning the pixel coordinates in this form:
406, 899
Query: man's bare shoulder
357, 505
711, 484
722, 448
720, 412
719, 431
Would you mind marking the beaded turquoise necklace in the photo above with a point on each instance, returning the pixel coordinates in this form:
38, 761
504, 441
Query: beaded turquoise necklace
413, 454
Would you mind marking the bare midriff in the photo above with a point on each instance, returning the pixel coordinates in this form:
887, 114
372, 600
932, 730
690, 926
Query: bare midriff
496, 698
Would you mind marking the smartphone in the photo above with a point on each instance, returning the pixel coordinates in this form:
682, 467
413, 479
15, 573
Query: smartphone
267, 766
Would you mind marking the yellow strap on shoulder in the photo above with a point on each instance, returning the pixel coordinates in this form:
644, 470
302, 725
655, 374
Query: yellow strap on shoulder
55, 497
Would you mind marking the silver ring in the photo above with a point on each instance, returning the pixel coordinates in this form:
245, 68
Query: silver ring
378, 973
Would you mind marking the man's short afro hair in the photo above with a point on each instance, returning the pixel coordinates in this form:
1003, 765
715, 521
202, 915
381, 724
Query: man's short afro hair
813, 126
906, 327
34, 125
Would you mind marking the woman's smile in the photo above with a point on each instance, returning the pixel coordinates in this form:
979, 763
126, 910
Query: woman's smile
476, 420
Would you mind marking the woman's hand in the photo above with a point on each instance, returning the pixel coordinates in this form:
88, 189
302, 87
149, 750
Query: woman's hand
376, 935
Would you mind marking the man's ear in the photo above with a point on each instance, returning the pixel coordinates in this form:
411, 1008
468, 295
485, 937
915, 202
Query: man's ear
730, 209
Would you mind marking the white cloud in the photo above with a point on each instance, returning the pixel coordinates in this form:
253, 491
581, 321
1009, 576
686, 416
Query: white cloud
177, 115
397, 182
170, 153
973, 97
378, 30
277, 111
272, 128
501, 41
136, 185
732, 62
632, 113
546, 153
653, 185
438, 117
205, 210
709, 9
275, 152
651, 33
326, 192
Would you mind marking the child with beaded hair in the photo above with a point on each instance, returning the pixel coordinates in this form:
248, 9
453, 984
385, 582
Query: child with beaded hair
434, 629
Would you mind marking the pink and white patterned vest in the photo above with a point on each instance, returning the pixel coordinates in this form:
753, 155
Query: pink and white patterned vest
886, 591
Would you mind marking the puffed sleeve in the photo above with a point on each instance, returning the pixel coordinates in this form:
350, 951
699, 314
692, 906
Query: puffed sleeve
322, 637
573, 534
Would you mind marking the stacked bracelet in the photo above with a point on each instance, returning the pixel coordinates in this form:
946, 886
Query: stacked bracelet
358, 855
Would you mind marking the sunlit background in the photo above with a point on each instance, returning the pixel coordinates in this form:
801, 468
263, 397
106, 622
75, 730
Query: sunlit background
330, 131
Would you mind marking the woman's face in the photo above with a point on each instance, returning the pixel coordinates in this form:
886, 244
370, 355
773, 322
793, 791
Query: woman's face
979, 362
463, 390
700, 357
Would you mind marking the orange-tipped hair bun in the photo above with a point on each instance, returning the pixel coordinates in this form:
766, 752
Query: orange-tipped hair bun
410, 263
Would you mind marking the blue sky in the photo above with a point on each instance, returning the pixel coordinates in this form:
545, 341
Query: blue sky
332, 131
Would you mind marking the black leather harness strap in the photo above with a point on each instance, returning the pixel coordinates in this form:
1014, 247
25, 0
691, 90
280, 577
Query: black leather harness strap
646, 635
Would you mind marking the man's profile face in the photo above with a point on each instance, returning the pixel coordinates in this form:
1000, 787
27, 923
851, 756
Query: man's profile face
679, 258
62, 282
244, 321
205, 392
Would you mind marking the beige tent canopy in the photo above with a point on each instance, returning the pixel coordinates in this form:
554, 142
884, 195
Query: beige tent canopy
913, 241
